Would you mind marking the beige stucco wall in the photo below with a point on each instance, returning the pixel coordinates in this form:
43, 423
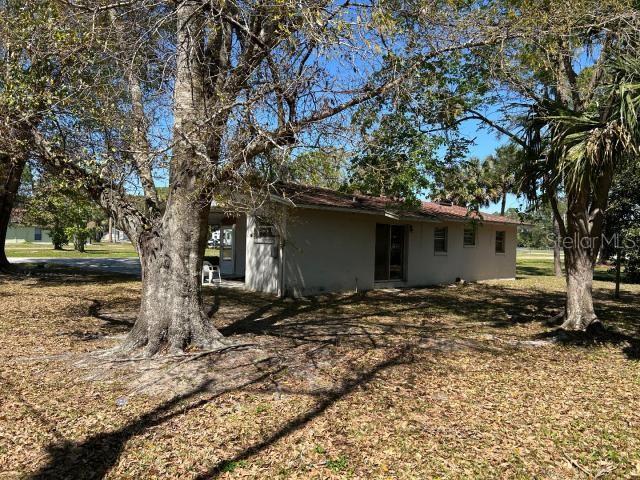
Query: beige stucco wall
425, 267
329, 251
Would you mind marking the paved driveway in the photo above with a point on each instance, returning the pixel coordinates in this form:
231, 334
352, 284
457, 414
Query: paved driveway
130, 266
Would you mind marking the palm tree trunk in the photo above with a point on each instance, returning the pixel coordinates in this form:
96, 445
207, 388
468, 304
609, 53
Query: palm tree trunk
557, 265
579, 314
581, 245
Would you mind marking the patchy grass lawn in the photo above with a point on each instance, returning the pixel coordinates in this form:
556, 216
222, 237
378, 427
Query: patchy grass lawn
96, 250
540, 262
444, 382
45, 250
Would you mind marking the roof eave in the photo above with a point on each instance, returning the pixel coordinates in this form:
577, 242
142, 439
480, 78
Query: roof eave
379, 213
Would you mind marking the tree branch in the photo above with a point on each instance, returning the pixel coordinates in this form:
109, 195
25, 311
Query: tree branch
113, 201
478, 116
140, 148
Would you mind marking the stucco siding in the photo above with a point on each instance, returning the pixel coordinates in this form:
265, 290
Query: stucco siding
21, 233
329, 251
425, 267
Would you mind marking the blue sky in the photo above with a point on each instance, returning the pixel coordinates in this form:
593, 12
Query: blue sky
485, 140
485, 143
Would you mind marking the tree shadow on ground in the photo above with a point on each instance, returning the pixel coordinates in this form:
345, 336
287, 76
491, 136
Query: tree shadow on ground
380, 319
118, 321
371, 319
544, 268
401, 357
51, 274
94, 457
596, 336
113, 323
396, 320
523, 271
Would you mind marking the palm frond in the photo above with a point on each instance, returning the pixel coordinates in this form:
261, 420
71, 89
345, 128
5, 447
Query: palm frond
578, 146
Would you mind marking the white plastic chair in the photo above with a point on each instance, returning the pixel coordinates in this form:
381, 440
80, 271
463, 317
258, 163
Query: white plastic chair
210, 274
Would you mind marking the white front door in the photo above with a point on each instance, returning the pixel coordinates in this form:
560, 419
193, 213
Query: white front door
227, 254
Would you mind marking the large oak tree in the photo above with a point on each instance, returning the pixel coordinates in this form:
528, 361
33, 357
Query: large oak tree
202, 92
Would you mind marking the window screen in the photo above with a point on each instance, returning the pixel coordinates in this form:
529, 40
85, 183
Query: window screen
470, 235
440, 240
265, 232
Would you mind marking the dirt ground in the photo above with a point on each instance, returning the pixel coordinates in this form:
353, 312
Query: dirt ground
448, 382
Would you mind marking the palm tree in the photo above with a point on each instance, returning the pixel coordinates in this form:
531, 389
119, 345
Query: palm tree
500, 169
579, 152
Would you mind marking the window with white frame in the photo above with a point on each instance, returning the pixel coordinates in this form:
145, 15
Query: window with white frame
470, 235
440, 239
500, 241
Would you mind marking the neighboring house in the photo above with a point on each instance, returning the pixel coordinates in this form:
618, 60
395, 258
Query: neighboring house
19, 231
326, 241
117, 236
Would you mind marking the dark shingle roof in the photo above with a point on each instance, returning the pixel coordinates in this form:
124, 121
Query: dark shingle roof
324, 198
456, 212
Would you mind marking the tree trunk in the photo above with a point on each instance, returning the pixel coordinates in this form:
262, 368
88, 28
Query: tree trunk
618, 268
581, 244
579, 311
557, 266
172, 311
503, 206
10, 175
110, 235
79, 245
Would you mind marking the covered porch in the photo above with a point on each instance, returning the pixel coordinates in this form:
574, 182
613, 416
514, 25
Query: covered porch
226, 245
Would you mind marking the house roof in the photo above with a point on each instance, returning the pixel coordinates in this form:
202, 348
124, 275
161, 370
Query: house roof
456, 212
304, 196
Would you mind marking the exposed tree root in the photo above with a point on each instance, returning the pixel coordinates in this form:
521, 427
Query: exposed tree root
579, 324
177, 346
117, 358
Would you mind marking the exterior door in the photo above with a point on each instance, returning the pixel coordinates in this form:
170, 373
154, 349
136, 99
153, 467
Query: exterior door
389, 252
227, 254
396, 252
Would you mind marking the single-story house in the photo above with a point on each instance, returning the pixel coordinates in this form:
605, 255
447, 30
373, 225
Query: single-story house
316, 240
19, 231
117, 236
